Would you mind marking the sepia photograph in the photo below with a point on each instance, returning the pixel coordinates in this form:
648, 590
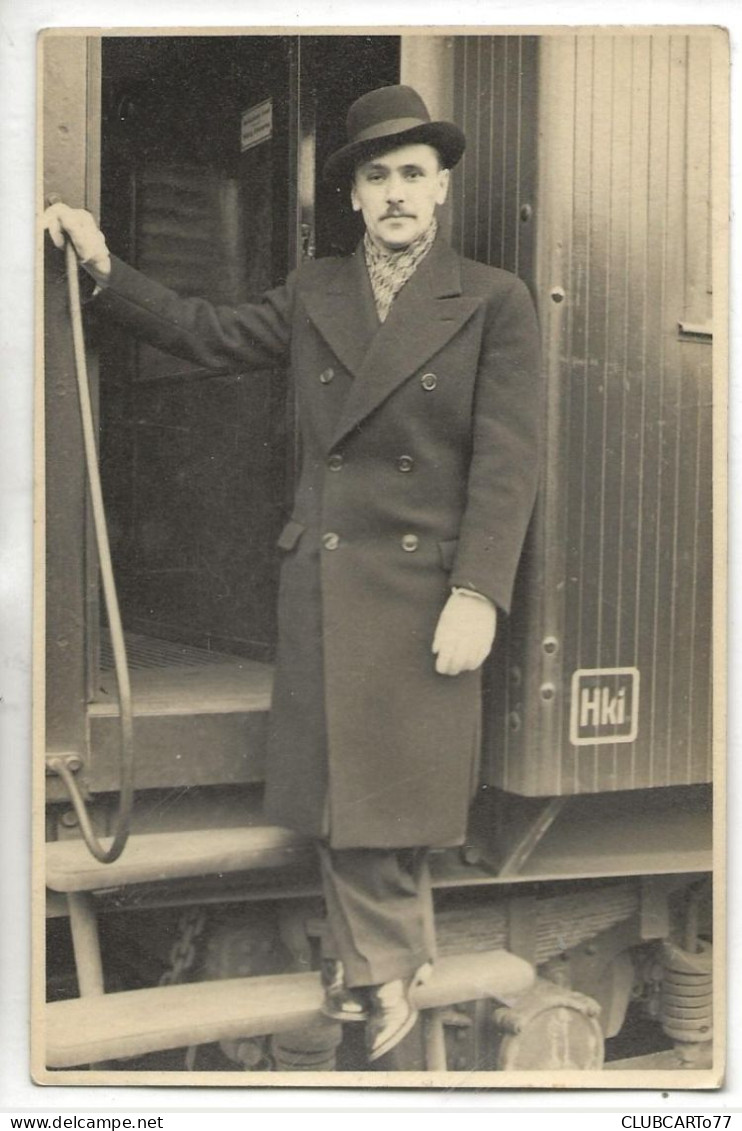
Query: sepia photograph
380, 526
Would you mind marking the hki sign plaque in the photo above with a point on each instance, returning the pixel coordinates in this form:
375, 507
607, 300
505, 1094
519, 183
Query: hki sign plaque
605, 706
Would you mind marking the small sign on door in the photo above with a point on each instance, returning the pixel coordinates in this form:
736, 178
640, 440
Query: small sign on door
256, 124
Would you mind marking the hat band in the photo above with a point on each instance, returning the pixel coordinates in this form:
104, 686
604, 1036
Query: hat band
392, 126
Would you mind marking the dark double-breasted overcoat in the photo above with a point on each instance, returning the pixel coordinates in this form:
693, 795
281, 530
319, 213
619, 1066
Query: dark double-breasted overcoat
419, 442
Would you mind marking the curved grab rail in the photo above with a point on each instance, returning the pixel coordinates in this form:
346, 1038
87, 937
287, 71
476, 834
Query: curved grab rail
58, 764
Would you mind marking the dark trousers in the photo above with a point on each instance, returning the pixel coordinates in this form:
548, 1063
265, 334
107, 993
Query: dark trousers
379, 912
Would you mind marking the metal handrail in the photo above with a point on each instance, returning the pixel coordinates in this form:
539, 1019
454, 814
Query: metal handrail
58, 764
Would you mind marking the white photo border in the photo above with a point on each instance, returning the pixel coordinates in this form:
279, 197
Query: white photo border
19, 24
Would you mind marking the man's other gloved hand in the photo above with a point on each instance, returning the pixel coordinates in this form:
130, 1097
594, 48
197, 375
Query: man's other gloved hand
465, 634
87, 238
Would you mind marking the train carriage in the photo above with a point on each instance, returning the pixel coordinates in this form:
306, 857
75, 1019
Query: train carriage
582, 897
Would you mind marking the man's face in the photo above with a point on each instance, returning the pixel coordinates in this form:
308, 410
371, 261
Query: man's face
397, 194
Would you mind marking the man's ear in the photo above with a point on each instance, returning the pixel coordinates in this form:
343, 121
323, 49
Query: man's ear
354, 199
444, 177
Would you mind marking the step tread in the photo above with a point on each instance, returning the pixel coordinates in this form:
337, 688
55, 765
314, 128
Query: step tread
151, 857
229, 687
134, 1022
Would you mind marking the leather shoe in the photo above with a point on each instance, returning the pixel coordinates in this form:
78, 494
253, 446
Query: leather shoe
392, 1014
341, 1003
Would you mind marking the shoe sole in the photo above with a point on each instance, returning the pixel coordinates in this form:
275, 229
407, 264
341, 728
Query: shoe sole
393, 1041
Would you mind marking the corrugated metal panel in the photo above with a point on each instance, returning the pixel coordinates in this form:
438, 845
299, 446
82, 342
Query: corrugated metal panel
619, 575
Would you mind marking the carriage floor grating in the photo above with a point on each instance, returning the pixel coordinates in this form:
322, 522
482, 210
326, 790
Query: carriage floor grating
146, 652
168, 678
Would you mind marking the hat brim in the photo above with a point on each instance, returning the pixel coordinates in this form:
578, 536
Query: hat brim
446, 137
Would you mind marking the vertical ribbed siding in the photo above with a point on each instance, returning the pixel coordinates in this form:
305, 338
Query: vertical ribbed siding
620, 573
495, 103
637, 500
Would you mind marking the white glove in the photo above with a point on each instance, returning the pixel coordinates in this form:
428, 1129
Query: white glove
465, 633
87, 238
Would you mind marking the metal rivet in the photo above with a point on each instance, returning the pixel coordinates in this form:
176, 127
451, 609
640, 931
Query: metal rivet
327, 375
335, 462
526, 212
405, 463
557, 294
410, 542
429, 381
551, 644
547, 691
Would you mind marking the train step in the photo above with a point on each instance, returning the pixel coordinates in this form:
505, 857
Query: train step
200, 718
134, 1022
152, 857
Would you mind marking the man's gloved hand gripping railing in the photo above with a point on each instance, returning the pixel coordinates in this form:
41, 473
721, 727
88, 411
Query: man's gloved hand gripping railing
59, 763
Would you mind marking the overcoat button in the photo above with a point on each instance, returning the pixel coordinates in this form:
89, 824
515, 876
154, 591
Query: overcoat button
327, 375
330, 541
335, 462
410, 542
429, 382
405, 463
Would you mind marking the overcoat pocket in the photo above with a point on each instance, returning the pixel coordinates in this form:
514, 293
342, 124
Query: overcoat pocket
290, 534
447, 552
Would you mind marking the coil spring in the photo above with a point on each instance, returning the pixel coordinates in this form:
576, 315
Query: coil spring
686, 1002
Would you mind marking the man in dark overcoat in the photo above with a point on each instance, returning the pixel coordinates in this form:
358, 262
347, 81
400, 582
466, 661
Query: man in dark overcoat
417, 382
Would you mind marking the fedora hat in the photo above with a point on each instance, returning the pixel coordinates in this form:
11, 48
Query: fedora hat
387, 118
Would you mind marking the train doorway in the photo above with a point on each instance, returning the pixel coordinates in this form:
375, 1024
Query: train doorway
210, 148
210, 158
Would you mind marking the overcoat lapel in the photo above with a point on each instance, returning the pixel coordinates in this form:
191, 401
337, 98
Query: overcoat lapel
344, 312
426, 314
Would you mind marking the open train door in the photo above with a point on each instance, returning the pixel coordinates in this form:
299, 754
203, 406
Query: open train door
71, 162
200, 155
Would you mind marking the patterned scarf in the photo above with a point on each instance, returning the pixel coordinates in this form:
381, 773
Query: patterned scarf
390, 270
